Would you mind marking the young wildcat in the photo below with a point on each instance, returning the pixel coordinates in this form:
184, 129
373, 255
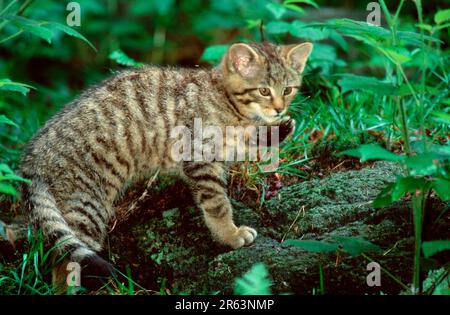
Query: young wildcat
119, 131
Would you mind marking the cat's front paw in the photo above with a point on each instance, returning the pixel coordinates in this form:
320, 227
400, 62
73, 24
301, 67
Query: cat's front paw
287, 127
244, 235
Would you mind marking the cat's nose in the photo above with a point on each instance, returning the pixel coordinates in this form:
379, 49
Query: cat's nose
278, 105
278, 110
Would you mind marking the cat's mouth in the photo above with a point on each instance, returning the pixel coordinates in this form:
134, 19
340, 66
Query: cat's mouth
270, 119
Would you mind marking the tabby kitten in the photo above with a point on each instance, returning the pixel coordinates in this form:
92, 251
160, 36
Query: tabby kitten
119, 131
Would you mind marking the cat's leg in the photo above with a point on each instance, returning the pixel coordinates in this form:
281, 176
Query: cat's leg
208, 186
88, 218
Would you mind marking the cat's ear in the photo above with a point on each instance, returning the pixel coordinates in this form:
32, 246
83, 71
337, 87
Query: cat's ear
297, 55
243, 59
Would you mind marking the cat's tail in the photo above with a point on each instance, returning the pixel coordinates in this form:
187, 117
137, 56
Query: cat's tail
45, 215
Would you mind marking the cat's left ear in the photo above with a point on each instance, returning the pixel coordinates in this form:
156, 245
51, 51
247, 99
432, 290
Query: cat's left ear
297, 55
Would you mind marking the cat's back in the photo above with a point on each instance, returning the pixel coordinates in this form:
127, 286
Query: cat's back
125, 116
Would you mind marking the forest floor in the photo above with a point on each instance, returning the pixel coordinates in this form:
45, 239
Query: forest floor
160, 240
166, 241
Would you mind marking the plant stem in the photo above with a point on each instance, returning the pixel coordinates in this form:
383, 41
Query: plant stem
404, 121
18, 12
418, 4
390, 275
418, 207
7, 7
11, 36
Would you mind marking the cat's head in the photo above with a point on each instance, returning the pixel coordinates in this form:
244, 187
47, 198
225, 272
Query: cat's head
262, 79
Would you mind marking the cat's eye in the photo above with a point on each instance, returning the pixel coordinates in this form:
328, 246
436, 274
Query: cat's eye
287, 90
264, 91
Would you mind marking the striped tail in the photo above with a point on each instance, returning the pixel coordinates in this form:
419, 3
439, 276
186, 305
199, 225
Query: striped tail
46, 216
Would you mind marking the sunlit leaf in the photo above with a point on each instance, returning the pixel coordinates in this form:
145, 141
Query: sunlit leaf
122, 59
7, 189
214, 53
255, 282
355, 245
425, 27
442, 16
310, 2
422, 164
398, 56
351, 82
301, 30
294, 7
71, 32
34, 27
313, 245
439, 281
441, 117
368, 152
7, 121
8, 85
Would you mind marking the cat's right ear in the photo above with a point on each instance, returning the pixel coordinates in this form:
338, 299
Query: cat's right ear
242, 59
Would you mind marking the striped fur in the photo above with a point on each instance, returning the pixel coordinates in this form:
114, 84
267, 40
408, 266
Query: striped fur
119, 131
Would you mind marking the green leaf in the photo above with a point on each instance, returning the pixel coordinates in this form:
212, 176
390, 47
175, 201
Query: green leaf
440, 280
396, 55
368, 152
425, 27
442, 188
433, 247
408, 184
8, 85
7, 121
294, 8
313, 245
310, 2
384, 198
355, 245
301, 30
31, 26
71, 32
276, 9
397, 190
5, 169
442, 16
7, 189
278, 27
441, 27
351, 82
423, 164
122, 59
441, 117
214, 53
255, 282
14, 177
358, 29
